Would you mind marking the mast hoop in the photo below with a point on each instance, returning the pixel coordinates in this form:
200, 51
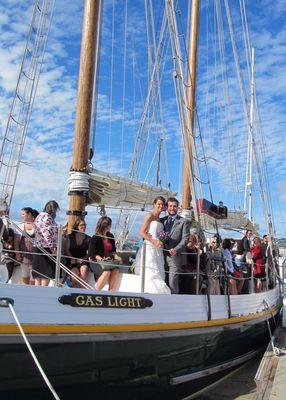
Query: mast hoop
78, 213
78, 193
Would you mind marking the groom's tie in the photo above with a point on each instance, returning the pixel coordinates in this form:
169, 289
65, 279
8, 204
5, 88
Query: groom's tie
169, 224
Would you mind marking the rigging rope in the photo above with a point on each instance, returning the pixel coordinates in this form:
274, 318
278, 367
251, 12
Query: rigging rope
111, 83
24, 96
123, 87
10, 303
225, 80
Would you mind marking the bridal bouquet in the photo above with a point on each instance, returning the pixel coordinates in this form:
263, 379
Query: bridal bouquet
163, 236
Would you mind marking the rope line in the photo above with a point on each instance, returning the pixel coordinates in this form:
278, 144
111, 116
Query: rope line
38, 365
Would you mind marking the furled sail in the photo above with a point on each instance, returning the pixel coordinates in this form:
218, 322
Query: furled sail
117, 191
112, 190
236, 219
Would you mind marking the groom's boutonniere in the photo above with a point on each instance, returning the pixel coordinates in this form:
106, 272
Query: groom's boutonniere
163, 236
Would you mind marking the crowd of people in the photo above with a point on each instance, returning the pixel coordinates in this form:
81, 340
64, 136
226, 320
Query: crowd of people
176, 261
33, 246
179, 262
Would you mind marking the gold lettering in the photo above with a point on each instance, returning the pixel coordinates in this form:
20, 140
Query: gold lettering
116, 302
89, 301
98, 301
131, 302
138, 302
123, 302
79, 300
110, 304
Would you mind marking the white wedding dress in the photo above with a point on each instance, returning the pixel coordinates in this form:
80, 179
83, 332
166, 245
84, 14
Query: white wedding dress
154, 264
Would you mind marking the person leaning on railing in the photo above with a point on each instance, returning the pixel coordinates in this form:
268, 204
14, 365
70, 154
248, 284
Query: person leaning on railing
235, 281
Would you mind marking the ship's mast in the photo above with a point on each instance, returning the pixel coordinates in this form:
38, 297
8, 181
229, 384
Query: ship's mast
88, 68
192, 71
248, 200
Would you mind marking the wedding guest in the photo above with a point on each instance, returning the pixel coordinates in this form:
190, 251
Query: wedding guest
46, 232
189, 277
243, 249
102, 250
76, 246
259, 263
8, 242
245, 244
234, 283
216, 266
24, 242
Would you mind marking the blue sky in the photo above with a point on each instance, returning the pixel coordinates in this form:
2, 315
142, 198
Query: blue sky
48, 148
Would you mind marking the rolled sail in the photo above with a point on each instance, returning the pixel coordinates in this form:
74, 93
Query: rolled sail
112, 190
236, 219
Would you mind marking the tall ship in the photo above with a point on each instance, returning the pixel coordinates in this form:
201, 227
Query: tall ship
131, 336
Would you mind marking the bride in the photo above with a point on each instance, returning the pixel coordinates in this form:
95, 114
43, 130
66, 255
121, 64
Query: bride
154, 260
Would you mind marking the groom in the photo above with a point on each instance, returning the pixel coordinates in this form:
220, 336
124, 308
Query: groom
178, 229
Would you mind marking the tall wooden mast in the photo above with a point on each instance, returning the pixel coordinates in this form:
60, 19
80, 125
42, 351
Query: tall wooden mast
88, 66
192, 70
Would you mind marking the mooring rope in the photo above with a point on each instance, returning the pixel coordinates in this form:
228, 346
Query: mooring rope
8, 302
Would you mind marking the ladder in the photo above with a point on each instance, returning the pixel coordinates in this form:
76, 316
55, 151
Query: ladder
20, 112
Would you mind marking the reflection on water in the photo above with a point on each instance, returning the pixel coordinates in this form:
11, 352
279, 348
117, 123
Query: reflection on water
238, 383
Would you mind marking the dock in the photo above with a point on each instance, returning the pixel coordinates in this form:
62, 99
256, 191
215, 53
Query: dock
263, 378
271, 375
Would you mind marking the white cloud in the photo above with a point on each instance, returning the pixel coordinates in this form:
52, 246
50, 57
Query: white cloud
48, 150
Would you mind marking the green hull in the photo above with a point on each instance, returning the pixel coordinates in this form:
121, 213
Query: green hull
134, 358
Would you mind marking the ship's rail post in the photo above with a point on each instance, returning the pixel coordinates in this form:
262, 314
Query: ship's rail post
251, 291
283, 277
143, 266
198, 275
59, 253
266, 275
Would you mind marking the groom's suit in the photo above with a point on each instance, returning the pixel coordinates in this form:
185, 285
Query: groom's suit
179, 231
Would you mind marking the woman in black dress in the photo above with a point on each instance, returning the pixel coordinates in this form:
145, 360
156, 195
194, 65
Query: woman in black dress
77, 244
102, 248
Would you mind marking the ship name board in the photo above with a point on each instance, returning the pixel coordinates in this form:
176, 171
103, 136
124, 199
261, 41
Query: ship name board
105, 301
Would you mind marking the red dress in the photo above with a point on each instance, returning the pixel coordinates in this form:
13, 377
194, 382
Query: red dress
259, 260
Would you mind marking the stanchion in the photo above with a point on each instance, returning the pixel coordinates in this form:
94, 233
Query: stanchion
143, 266
251, 278
59, 252
198, 274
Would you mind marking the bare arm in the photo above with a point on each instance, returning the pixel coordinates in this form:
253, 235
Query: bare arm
144, 231
144, 228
